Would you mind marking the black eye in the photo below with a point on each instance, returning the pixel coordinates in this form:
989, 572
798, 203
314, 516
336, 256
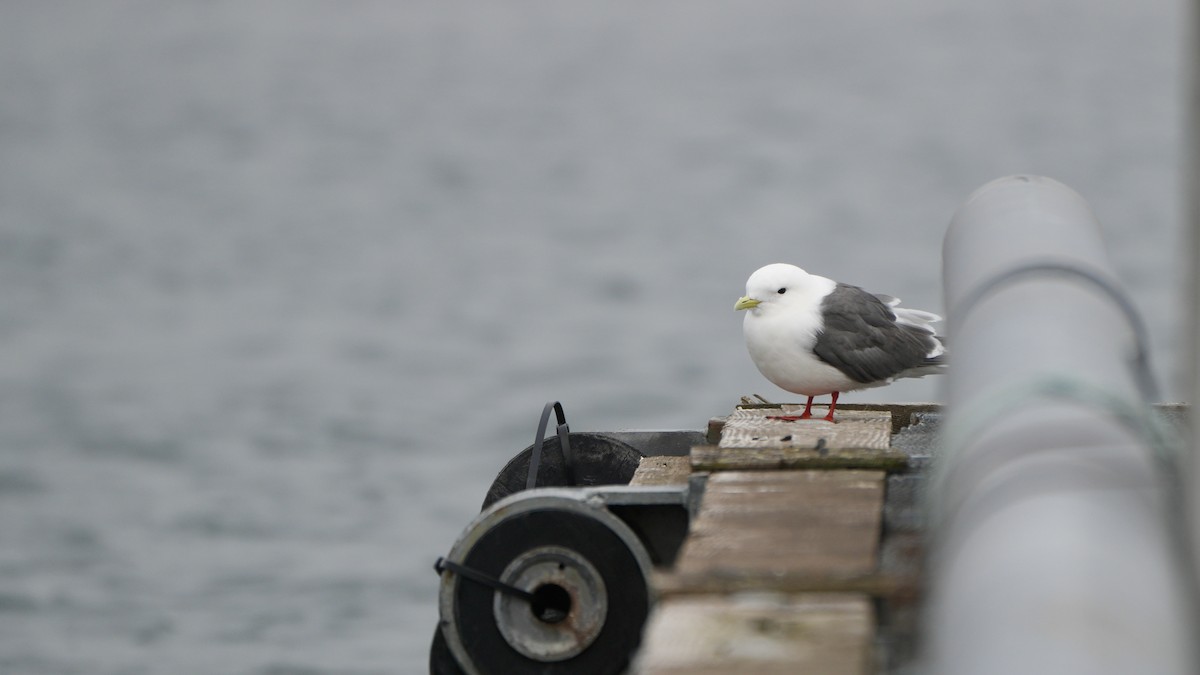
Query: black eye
782, 291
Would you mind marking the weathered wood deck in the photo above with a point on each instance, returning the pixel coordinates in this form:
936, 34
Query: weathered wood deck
781, 570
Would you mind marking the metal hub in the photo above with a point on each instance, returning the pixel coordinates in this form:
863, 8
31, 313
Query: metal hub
571, 584
569, 607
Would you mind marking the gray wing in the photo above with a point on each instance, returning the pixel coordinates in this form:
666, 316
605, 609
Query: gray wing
862, 339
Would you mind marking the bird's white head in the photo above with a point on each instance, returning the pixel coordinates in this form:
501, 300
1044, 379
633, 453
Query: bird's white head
778, 284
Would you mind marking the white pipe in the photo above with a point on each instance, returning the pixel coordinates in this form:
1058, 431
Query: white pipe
1192, 293
1052, 551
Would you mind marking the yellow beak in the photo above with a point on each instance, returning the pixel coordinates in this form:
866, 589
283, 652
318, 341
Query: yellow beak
747, 302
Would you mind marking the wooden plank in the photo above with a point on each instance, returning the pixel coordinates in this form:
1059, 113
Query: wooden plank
816, 523
715, 425
875, 584
762, 428
903, 414
760, 633
715, 458
755, 438
662, 470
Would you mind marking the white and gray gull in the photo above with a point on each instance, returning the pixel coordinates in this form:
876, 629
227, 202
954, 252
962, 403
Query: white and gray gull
814, 336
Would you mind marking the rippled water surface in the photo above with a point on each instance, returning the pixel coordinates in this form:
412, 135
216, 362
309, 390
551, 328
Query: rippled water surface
283, 285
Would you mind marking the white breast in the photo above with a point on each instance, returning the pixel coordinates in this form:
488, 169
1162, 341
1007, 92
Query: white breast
780, 344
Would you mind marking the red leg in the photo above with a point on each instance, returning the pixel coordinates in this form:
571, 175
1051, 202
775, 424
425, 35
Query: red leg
832, 405
807, 409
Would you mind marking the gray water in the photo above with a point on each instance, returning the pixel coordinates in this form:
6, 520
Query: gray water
284, 284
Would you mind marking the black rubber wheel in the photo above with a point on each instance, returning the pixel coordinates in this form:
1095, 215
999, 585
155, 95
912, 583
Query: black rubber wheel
627, 598
441, 661
599, 460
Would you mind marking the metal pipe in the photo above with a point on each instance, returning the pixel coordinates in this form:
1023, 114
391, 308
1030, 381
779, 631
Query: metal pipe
1052, 548
1191, 196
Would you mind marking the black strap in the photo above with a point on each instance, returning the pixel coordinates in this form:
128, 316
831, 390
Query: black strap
564, 443
480, 578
